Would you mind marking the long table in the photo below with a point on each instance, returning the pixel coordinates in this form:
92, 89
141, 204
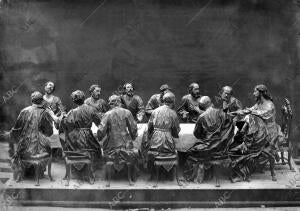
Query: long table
184, 142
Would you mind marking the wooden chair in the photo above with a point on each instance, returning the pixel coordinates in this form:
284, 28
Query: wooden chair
36, 161
80, 158
215, 169
286, 124
110, 164
73, 158
166, 162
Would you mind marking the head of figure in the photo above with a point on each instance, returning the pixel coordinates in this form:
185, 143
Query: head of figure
49, 87
114, 101
169, 99
194, 90
78, 97
226, 93
164, 89
128, 89
37, 98
205, 102
261, 91
95, 91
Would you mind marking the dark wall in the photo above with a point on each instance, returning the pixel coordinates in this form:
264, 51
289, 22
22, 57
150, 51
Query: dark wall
213, 42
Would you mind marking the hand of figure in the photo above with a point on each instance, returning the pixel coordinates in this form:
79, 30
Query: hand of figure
185, 115
244, 148
246, 111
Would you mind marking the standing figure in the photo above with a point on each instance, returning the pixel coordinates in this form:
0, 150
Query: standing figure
120, 128
189, 110
52, 101
77, 127
31, 132
156, 100
132, 102
229, 103
95, 101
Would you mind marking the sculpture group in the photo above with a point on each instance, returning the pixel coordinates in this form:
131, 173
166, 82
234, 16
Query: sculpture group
242, 139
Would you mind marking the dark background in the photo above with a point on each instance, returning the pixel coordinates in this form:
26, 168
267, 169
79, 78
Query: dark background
215, 43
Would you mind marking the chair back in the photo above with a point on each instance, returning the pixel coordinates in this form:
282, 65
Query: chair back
286, 121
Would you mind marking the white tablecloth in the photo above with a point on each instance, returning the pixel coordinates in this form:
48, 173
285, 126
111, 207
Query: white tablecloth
185, 141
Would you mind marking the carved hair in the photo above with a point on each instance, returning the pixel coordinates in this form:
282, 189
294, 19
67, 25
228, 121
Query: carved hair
93, 87
78, 97
52, 83
191, 87
264, 91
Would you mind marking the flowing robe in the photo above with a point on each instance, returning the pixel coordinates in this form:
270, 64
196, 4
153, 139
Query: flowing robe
31, 132
153, 103
77, 127
135, 105
163, 127
260, 142
215, 131
100, 105
55, 105
267, 113
233, 105
189, 110
120, 128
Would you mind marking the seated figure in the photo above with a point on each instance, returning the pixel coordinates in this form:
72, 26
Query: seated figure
95, 101
259, 138
77, 125
214, 130
189, 110
156, 100
119, 126
163, 127
31, 132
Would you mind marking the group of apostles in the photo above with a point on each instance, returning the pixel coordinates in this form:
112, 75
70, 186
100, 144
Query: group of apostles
252, 146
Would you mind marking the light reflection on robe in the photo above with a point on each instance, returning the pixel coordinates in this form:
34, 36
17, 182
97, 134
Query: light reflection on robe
120, 128
163, 126
260, 142
31, 133
215, 132
77, 126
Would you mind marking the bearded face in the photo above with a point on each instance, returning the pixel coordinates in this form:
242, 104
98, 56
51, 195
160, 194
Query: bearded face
129, 90
195, 91
49, 88
96, 93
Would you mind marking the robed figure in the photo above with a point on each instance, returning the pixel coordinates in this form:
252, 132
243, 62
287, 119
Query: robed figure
95, 101
120, 129
259, 137
77, 127
189, 110
31, 134
133, 102
214, 130
156, 100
